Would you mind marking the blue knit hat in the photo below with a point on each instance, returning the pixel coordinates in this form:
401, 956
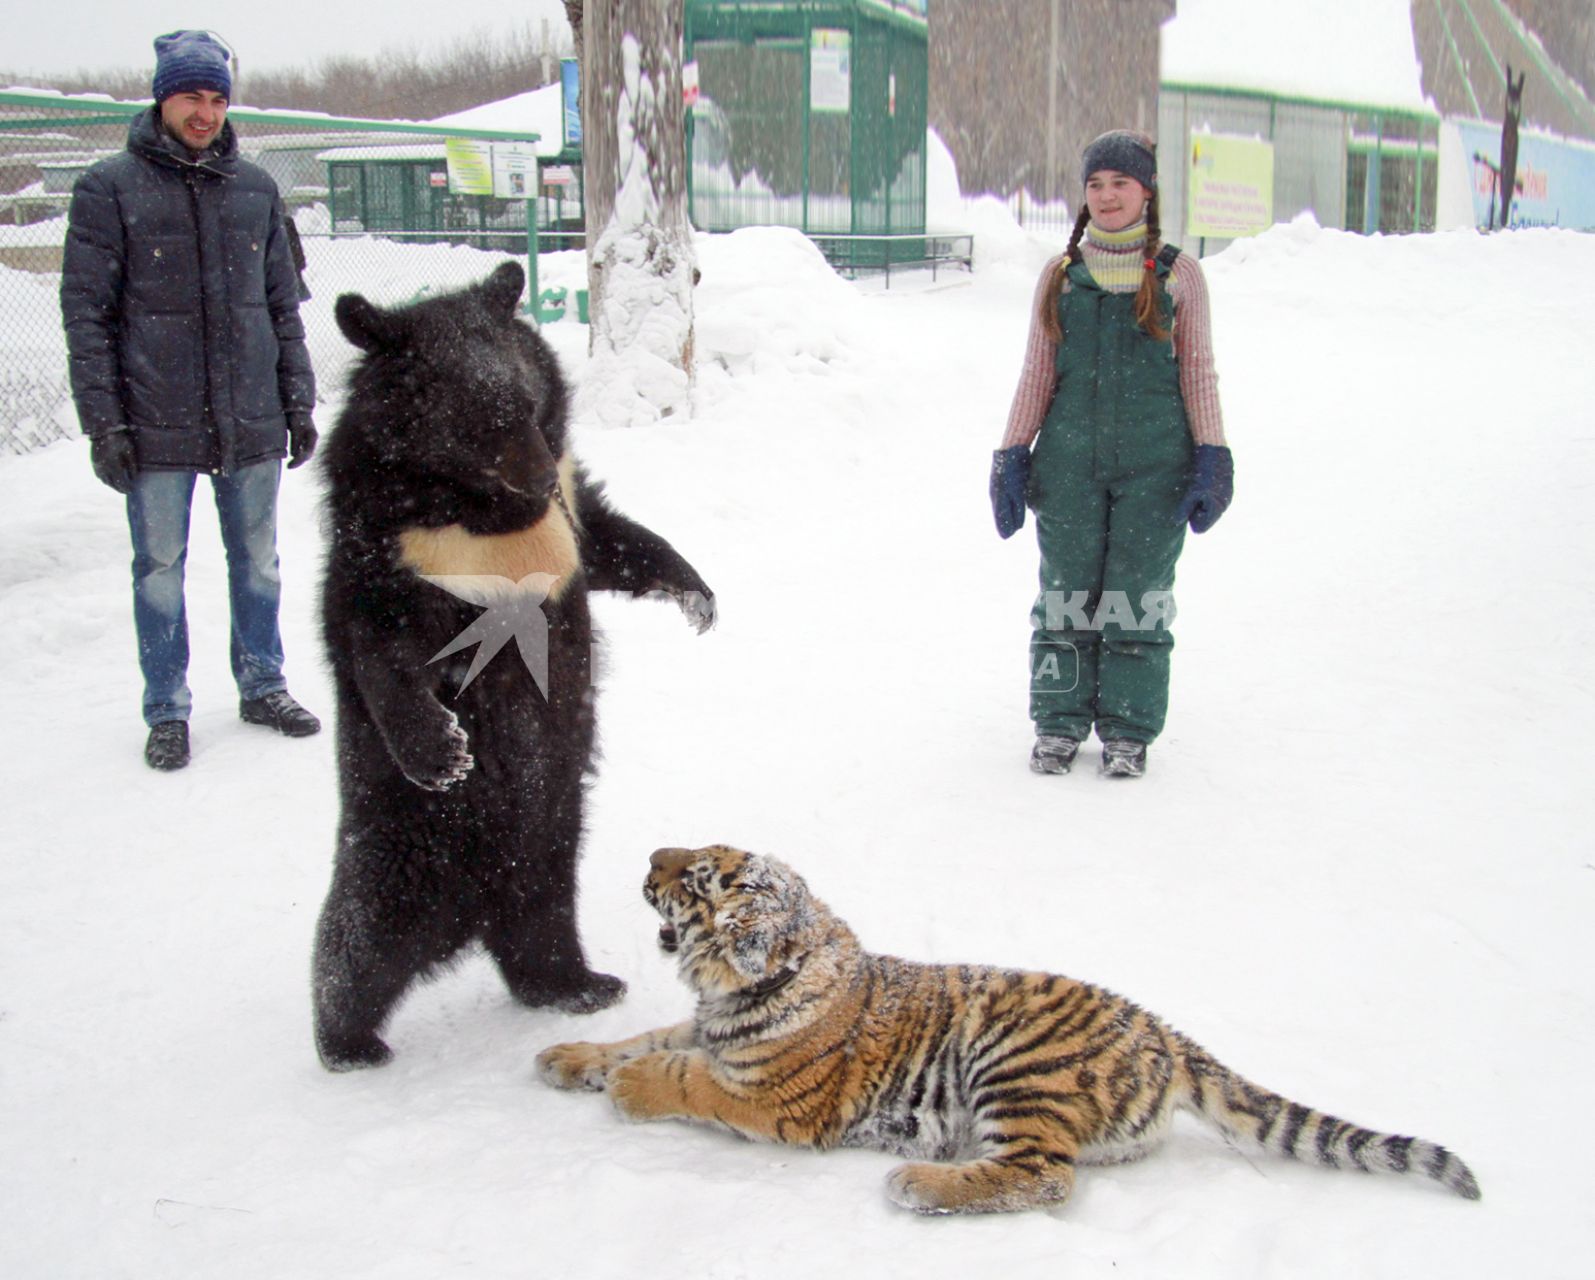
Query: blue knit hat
189, 60
1126, 151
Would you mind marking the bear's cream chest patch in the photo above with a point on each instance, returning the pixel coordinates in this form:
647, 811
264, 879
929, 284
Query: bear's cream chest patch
547, 547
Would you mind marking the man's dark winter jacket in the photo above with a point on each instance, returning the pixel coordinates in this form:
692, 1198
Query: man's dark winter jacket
181, 304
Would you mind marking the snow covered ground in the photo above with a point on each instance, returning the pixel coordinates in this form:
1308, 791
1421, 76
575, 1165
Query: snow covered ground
1359, 870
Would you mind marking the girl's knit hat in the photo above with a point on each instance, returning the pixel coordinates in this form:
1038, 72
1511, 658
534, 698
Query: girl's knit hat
1124, 150
189, 60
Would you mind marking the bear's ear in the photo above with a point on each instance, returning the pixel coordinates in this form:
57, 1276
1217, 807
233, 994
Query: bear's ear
368, 327
503, 288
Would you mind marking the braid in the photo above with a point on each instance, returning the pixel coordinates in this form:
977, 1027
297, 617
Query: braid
1149, 298
1054, 289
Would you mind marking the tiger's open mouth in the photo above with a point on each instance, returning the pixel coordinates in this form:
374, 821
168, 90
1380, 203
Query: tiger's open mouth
668, 941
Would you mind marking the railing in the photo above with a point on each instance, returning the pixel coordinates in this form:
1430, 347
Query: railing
853, 254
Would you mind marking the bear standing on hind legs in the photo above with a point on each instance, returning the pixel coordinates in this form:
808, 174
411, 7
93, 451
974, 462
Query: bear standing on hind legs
451, 486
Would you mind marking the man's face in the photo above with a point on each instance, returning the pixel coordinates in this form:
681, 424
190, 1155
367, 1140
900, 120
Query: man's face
194, 117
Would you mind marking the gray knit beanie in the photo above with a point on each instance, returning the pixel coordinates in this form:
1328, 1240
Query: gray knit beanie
1126, 151
189, 60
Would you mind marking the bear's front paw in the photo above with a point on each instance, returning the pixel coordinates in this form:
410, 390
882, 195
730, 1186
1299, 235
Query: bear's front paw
438, 760
640, 1090
700, 609
581, 1065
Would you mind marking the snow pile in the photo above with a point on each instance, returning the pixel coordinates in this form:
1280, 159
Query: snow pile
1358, 869
770, 307
47, 231
998, 237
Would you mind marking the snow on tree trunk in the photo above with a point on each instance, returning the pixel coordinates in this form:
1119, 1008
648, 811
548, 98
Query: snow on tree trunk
640, 258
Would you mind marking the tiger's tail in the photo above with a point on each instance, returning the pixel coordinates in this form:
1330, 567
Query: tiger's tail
1255, 1117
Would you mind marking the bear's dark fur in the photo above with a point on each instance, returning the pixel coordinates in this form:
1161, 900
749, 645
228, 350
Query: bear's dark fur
461, 806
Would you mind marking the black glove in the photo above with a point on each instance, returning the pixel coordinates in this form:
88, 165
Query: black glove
1010, 471
114, 461
1212, 486
301, 439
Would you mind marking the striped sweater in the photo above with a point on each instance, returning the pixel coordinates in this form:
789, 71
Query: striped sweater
1115, 262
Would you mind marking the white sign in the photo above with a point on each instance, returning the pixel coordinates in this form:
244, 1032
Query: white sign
558, 175
830, 70
514, 171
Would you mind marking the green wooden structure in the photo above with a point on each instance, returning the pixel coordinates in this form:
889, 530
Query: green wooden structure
811, 114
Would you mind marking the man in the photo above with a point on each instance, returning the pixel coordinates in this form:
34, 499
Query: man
187, 354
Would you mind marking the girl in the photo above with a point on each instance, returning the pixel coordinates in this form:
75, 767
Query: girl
1119, 398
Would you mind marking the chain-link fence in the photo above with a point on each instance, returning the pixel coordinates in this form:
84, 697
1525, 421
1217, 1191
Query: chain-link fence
372, 202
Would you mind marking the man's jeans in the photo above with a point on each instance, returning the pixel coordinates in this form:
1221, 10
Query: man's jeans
157, 515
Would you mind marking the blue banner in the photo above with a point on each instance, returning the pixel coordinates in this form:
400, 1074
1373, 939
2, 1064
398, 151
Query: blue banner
570, 83
1555, 184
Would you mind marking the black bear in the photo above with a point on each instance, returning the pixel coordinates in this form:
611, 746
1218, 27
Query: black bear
451, 486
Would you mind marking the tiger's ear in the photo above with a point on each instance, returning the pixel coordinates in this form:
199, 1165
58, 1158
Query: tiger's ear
753, 937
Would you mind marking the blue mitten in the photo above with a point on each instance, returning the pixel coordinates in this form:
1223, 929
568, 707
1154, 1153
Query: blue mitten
1212, 486
1010, 471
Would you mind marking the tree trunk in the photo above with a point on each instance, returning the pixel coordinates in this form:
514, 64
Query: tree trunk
640, 262
573, 15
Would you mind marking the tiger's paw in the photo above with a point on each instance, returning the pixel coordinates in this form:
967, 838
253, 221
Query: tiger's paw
641, 1091
920, 1187
580, 1065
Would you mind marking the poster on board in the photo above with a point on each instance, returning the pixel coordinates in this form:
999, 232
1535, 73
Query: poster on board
571, 102
470, 164
1229, 187
1554, 184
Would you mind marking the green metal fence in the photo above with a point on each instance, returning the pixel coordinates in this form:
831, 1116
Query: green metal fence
370, 199
811, 115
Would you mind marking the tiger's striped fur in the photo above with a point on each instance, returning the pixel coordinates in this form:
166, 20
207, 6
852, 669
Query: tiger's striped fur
995, 1083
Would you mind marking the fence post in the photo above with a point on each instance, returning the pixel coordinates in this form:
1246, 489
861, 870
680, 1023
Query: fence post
531, 251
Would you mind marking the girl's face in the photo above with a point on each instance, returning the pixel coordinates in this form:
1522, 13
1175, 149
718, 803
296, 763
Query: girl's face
1115, 199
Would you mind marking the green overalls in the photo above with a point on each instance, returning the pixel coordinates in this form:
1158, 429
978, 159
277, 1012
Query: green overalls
1108, 471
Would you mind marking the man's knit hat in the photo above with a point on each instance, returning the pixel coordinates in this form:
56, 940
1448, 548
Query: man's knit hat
1126, 151
189, 60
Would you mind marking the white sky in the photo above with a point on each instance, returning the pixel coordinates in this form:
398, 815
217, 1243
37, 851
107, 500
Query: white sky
99, 34
1349, 50
1358, 50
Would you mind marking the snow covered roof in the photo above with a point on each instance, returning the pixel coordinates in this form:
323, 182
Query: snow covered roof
540, 111
1355, 51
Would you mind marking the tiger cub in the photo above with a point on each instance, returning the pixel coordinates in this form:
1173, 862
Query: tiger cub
995, 1082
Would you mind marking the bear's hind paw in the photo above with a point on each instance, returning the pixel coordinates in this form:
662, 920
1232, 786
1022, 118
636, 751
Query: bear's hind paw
352, 1053
601, 991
